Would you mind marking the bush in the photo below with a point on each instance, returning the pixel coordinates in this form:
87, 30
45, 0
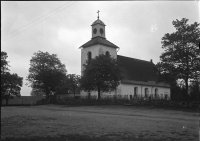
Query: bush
124, 101
42, 102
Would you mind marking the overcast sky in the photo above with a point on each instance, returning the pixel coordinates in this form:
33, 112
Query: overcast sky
136, 27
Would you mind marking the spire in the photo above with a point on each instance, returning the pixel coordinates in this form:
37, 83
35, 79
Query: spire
98, 14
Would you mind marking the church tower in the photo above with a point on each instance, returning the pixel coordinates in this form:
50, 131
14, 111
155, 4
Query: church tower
98, 43
98, 28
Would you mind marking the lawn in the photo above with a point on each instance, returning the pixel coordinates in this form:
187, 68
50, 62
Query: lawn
99, 123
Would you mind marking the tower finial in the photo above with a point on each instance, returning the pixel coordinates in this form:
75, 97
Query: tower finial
98, 14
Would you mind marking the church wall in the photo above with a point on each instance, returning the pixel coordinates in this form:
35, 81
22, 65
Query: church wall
96, 50
128, 89
163, 91
111, 50
125, 90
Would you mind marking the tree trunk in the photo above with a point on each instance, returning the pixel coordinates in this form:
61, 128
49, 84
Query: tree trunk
186, 87
187, 75
47, 93
99, 93
74, 91
6, 101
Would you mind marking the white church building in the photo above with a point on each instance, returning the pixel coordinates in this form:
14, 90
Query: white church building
140, 77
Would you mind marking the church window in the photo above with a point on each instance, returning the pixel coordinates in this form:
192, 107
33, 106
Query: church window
101, 30
95, 31
156, 92
131, 97
89, 55
146, 92
135, 91
107, 53
166, 96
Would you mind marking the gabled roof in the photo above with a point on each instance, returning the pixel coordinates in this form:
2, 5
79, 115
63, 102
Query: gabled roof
99, 40
98, 22
137, 71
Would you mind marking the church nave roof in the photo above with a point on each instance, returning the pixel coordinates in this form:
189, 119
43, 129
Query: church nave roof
137, 71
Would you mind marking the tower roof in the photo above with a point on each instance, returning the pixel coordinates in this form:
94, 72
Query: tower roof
99, 40
98, 22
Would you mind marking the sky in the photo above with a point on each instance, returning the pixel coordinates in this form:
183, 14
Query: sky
61, 27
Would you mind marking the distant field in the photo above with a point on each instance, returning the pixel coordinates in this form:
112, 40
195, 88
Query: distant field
23, 100
97, 123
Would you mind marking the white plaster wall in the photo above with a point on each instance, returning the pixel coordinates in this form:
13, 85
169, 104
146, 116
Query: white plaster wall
128, 89
98, 26
95, 50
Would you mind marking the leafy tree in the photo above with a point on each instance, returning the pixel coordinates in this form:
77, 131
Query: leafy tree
4, 62
194, 91
36, 92
4, 71
100, 74
10, 83
181, 56
13, 85
71, 82
45, 72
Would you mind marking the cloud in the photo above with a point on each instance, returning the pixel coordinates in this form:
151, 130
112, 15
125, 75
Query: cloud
9, 17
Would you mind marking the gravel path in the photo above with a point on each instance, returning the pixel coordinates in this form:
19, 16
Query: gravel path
109, 122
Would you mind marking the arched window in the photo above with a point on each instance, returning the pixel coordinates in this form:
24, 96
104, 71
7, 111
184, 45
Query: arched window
146, 92
107, 53
156, 92
135, 91
89, 56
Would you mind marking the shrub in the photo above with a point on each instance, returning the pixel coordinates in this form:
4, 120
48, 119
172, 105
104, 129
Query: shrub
42, 102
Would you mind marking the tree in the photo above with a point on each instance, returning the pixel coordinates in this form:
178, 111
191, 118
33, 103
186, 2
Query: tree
100, 74
194, 91
4, 62
13, 85
10, 83
181, 56
4, 71
36, 92
71, 82
45, 72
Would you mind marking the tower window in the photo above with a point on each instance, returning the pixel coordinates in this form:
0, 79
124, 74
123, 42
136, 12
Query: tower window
107, 53
89, 55
101, 30
95, 31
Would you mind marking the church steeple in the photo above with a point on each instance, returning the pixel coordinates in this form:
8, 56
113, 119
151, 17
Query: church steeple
98, 28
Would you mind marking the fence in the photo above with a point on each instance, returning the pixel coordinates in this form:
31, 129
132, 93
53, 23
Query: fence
130, 97
23, 100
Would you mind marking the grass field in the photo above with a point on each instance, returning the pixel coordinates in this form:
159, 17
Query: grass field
97, 123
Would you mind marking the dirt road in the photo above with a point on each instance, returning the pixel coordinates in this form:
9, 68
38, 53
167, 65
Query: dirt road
107, 122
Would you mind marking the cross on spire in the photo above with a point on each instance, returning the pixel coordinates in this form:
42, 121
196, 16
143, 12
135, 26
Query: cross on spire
98, 14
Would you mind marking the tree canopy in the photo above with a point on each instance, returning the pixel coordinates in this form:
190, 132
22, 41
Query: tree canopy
10, 83
181, 56
71, 82
46, 72
4, 62
100, 74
